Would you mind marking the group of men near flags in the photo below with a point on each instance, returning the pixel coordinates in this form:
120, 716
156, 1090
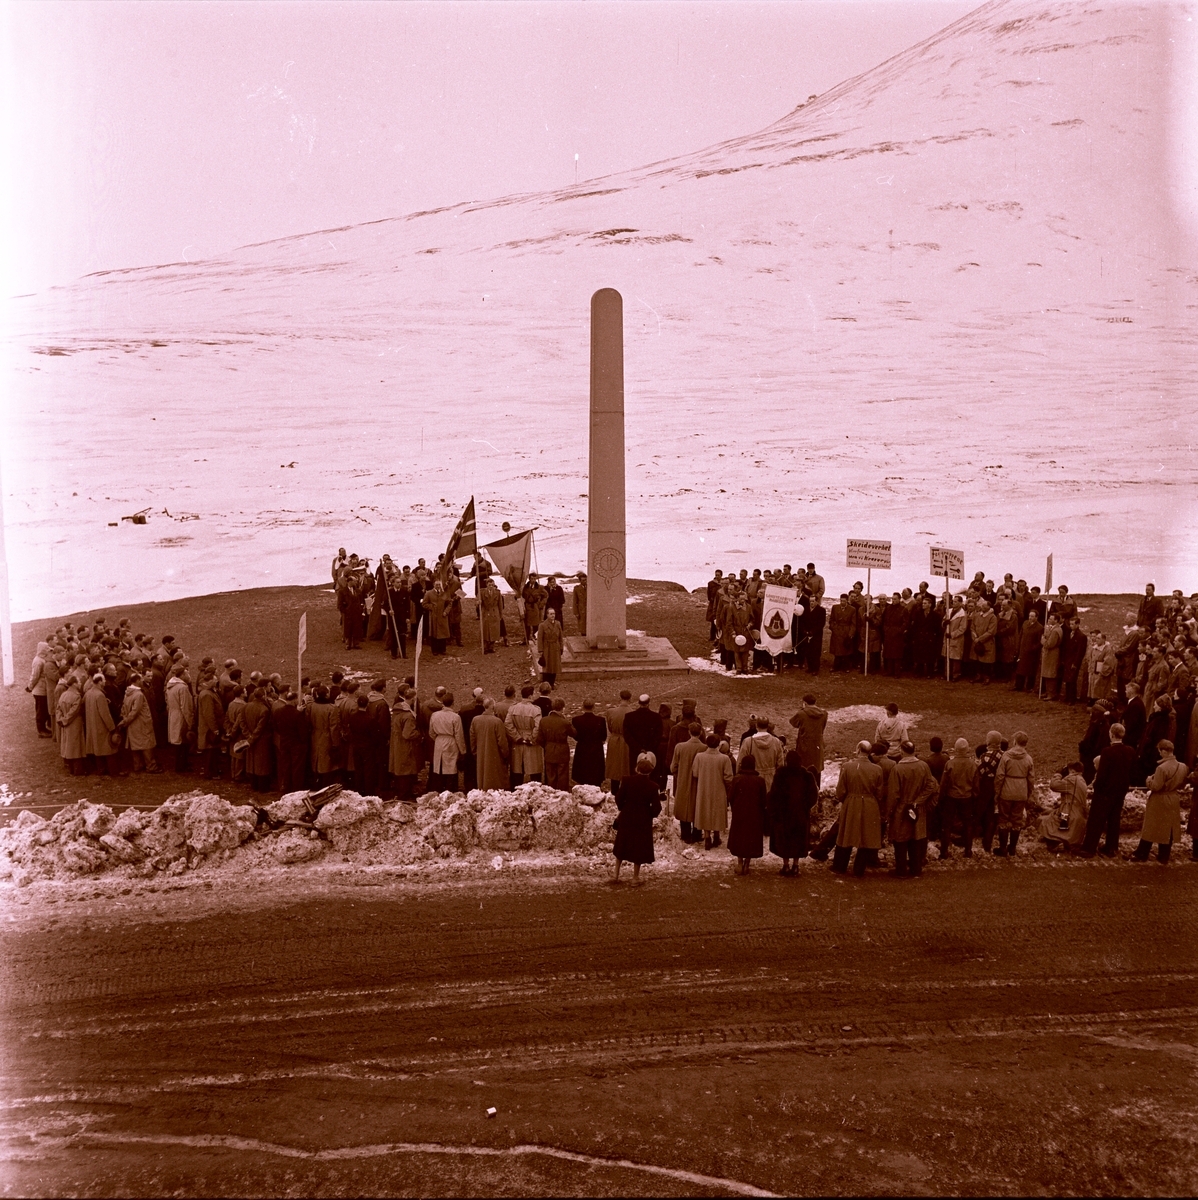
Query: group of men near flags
402, 604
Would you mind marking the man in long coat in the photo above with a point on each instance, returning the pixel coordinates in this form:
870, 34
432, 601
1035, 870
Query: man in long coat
255, 720
861, 794
436, 605
1101, 676
553, 736
842, 624
549, 644
617, 764
984, 643
138, 723
291, 733
492, 612
180, 717
642, 730
555, 600
404, 761
910, 787
445, 728
895, 620
523, 723
210, 724
534, 597
98, 724
580, 603
491, 749
469, 713
810, 722
70, 728
590, 733
1111, 782
1027, 669
681, 767
324, 722
712, 774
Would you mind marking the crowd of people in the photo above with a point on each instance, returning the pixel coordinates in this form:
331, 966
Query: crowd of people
392, 602
115, 700
984, 633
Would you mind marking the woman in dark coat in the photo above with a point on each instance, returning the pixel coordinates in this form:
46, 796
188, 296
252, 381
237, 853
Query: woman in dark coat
789, 806
747, 798
639, 801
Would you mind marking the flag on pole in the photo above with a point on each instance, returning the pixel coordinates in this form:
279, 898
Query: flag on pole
462, 543
512, 557
1048, 577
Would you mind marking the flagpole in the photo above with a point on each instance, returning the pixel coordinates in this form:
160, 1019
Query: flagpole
478, 597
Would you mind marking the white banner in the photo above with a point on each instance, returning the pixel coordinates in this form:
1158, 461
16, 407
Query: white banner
867, 555
776, 613
948, 563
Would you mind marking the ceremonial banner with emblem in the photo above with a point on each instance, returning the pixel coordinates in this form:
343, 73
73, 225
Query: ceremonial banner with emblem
512, 557
776, 614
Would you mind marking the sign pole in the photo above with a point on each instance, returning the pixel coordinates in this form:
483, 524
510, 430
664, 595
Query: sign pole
416, 668
869, 585
299, 659
947, 617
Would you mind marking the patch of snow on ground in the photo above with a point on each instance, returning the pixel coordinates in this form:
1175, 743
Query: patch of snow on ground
867, 712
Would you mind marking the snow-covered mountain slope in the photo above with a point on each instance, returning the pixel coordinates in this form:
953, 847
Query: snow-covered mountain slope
945, 302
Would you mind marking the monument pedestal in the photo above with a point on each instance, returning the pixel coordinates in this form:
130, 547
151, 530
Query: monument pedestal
640, 656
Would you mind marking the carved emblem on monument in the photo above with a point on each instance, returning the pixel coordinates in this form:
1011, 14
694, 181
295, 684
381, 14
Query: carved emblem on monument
607, 563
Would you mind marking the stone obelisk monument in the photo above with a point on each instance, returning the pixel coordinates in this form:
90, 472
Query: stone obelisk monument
607, 585
608, 651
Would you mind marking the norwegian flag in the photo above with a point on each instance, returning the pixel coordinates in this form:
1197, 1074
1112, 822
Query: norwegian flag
464, 541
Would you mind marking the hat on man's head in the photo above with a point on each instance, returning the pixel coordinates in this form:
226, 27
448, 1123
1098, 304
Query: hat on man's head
643, 698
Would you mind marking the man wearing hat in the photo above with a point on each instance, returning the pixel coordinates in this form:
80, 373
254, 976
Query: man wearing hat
469, 713
958, 790
580, 603
549, 644
681, 731
642, 729
590, 733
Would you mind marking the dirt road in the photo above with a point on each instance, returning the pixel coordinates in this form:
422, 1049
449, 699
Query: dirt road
1012, 1032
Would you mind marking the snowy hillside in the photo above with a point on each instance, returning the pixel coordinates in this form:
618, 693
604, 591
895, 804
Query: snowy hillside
943, 302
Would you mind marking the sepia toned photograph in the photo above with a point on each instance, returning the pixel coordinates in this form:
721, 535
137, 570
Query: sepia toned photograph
820, 819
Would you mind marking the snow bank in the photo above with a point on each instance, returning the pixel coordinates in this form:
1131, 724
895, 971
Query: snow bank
203, 831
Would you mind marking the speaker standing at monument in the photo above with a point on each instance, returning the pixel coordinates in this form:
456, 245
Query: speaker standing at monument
580, 603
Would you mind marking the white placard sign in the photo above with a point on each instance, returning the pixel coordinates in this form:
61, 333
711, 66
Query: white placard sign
777, 610
948, 563
872, 556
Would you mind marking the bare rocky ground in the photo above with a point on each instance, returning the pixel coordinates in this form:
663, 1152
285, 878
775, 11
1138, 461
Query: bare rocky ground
229, 1023
1009, 1031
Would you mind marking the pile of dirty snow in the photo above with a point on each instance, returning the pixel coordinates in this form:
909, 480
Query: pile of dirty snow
202, 831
